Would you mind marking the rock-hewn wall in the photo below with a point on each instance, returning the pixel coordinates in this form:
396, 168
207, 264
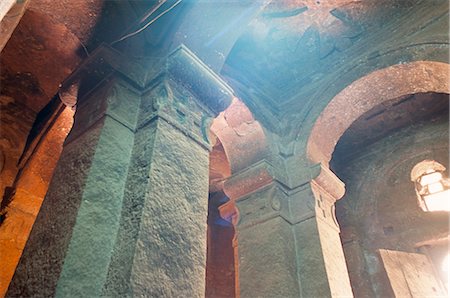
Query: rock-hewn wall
380, 209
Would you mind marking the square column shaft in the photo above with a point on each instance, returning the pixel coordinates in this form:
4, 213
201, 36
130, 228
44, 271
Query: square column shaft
73, 235
288, 239
126, 210
266, 249
161, 248
320, 258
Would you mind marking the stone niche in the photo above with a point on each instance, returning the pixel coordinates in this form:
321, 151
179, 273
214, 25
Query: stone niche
384, 231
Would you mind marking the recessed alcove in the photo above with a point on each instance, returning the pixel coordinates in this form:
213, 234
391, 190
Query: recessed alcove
384, 232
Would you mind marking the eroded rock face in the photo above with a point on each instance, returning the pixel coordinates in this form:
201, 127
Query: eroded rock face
35, 62
29, 191
49, 42
15, 122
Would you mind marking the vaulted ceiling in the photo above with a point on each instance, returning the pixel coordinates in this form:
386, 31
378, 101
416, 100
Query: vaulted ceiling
296, 55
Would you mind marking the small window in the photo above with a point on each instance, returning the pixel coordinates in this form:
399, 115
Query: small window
432, 186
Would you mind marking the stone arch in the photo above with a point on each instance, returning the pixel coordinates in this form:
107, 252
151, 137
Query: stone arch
380, 209
241, 136
368, 92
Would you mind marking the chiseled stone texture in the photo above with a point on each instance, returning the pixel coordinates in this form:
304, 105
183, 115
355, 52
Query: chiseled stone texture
266, 248
267, 266
87, 259
220, 266
332, 254
311, 268
160, 250
15, 123
79, 218
336, 268
30, 192
170, 253
40, 266
117, 283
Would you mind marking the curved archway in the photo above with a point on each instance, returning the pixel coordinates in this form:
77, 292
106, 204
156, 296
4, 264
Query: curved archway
368, 92
380, 210
241, 136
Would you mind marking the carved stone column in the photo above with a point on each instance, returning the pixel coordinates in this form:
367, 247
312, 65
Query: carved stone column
287, 238
265, 240
320, 258
70, 244
126, 210
161, 247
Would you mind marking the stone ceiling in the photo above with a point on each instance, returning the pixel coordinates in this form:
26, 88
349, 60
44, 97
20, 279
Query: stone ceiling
288, 53
293, 49
387, 118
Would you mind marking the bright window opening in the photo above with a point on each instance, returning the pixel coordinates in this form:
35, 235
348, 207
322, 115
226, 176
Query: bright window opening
432, 186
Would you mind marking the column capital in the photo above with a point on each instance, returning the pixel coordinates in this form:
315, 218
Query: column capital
182, 66
257, 194
316, 197
328, 181
249, 180
178, 89
229, 212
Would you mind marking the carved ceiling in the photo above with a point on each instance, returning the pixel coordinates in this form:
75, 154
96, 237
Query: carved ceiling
300, 33
45, 48
290, 49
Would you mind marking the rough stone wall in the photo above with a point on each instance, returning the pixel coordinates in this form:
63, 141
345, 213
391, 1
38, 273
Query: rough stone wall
334, 261
15, 123
380, 209
119, 273
97, 219
411, 274
308, 245
269, 248
94, 160
221, 247
220, 271
161, 245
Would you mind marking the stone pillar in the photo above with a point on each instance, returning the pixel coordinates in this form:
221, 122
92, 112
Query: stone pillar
161, 248
265, 241
126, 210
287, 238
70, 244
320, 258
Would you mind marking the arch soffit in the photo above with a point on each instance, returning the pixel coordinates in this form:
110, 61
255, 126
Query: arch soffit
368, 92
242, 137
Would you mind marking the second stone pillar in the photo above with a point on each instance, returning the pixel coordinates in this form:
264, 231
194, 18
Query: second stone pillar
161, 248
